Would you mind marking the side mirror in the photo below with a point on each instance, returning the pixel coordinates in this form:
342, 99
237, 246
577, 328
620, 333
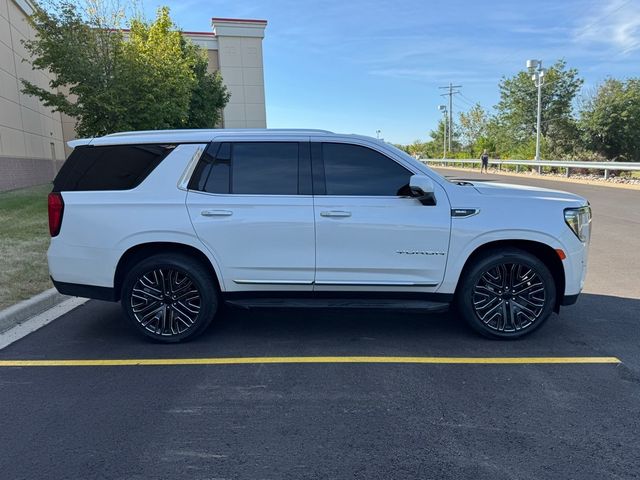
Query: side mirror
422, 188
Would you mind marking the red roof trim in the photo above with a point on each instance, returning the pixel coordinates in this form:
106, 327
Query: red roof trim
242, 20
211, 34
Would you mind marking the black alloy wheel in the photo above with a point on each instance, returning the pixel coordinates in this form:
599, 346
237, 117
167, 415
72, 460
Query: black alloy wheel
506, 294
169, 298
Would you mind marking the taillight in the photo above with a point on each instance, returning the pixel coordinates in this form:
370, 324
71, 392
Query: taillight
56, 209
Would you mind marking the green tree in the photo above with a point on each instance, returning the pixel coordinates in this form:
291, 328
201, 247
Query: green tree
150, 80
423, 149
610, 120
516, 111
437, 138
209, 95
473, 129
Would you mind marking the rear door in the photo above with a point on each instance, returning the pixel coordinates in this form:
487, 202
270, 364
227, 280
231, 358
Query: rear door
370, 234
250, 203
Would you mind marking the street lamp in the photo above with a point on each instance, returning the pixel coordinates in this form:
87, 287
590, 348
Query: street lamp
537, 75
378, 134
443, 109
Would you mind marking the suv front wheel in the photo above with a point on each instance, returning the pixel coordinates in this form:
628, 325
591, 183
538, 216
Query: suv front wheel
169, 297
506, 293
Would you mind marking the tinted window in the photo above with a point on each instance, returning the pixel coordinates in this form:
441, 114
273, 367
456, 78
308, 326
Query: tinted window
213, 173
117, 167
356, 170
267, 168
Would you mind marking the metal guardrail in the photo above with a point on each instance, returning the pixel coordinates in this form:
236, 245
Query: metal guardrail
567, 164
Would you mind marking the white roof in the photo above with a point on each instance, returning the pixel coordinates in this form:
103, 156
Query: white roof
193, 136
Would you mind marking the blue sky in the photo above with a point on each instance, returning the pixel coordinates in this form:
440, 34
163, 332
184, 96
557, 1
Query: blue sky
357, 66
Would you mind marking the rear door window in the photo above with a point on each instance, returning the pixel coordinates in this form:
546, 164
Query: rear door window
113, 167
251, 168
265, 168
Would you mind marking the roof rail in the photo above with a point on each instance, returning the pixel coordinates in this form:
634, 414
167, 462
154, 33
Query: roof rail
219, 130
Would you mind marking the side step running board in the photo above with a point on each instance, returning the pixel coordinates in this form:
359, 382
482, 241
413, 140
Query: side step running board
390, 304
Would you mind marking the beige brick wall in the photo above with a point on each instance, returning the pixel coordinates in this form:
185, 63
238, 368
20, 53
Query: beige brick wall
235, 50
20, 172
241, 67
31, 137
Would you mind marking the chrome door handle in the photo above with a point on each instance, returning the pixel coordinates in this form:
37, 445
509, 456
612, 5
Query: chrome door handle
216, 213
335, 213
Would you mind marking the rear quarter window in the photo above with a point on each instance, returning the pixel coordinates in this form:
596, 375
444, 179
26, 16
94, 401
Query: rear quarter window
113, 167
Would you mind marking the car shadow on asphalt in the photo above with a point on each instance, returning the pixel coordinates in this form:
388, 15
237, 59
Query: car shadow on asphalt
596, 325
600, 318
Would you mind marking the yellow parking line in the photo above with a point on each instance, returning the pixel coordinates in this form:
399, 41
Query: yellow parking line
283, 360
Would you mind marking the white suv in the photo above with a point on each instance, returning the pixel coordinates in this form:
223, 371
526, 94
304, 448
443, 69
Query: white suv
172, 223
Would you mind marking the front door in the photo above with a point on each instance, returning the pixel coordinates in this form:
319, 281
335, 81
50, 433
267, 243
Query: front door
369, 232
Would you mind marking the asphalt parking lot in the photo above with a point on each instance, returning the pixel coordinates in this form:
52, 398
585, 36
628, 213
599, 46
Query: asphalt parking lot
262, 420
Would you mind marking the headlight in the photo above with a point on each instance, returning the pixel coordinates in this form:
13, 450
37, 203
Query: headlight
579, 220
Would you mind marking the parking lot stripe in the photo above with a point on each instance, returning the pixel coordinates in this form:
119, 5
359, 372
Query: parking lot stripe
287, 360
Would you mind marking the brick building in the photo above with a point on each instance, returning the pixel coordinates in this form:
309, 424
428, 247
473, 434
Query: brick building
33, 139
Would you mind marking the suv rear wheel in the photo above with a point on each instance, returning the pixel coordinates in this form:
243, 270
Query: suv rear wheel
169, 297
506, 293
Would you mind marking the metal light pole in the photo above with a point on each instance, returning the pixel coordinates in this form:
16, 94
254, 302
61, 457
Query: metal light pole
535, 67
443, 109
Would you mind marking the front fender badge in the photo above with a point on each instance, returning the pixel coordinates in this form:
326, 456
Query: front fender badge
464, 212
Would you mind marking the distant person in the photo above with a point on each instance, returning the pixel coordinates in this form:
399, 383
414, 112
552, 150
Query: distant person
485, 161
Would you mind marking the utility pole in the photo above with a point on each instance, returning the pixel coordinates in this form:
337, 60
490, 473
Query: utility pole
451, 93
443, 110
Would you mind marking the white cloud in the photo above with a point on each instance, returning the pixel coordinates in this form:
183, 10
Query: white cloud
615, 23
431, 75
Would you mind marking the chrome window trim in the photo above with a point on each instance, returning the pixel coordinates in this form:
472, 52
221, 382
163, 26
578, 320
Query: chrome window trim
375, 283
273, 282
183, 182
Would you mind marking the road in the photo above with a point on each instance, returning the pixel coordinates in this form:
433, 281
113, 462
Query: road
325, 421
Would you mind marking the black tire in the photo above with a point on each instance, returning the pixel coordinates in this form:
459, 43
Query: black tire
486, 299
175, 297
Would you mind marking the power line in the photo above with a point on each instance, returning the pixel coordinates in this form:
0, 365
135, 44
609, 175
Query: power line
459, 106
466, 99
465, 102
451, 93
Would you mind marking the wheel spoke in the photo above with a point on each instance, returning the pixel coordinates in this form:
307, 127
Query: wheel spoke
186, 310
146, 296
512, 276
497, 305
149, 312
150, 284
492, 280
530, 286
147, 307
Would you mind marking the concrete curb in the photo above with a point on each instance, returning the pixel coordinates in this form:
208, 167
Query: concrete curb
32, 324
18, 313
